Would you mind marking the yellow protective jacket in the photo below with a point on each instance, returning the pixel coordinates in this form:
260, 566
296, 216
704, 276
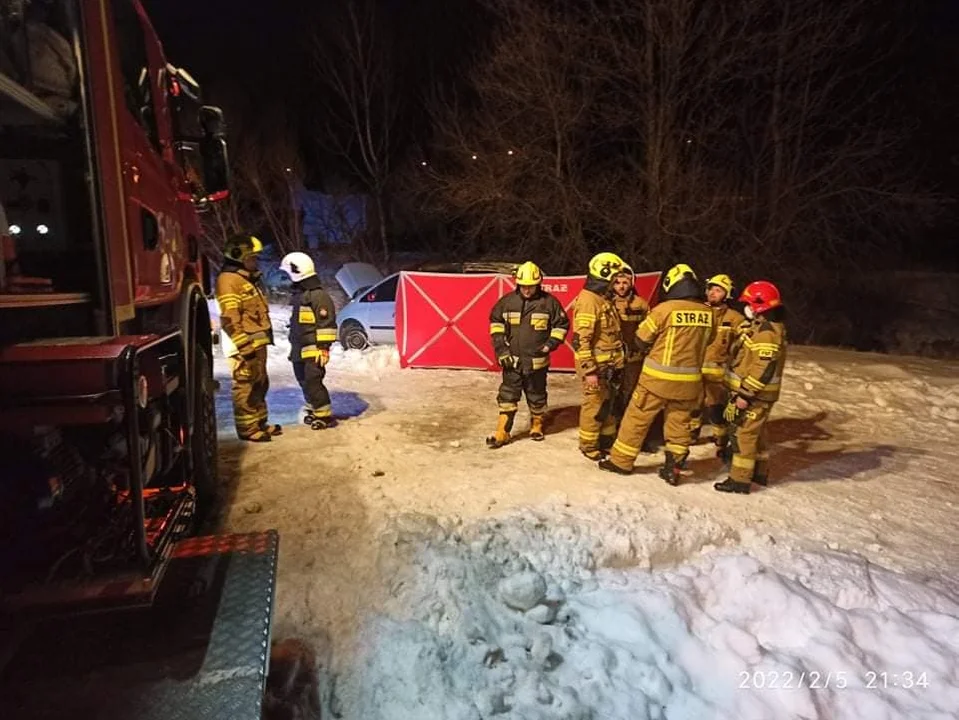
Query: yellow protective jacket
759, 355
313, 321
676, 334
597, 334
522, 327
244, 312
727, 321
632, 310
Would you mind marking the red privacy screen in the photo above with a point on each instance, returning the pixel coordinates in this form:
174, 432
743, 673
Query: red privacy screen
442, 319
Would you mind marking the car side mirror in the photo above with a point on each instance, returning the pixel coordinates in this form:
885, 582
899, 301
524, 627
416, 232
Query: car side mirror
214, 158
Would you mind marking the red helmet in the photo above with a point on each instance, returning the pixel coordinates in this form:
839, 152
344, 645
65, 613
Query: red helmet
761, 296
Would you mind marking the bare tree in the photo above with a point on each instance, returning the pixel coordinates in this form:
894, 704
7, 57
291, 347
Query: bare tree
353, 58
266, 167
743, 135
510, 162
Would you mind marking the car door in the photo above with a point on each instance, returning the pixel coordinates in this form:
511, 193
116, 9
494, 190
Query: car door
381, 301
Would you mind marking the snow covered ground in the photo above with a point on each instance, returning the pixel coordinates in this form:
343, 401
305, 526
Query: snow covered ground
439, 579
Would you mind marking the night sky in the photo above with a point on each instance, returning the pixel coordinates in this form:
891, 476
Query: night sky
264, 43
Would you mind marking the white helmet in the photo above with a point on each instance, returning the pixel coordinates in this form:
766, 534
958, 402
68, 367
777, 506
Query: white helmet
298, 265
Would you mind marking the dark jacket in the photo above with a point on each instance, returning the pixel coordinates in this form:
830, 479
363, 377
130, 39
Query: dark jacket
521, 328
313, 322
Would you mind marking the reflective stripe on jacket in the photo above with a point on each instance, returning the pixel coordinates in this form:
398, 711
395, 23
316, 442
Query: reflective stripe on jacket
718, 353
677, 333
313, 320
521, 328
759, 356
597, 334
244, 311
632, 311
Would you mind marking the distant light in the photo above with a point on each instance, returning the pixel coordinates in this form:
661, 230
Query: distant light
289, 170
423, 163
15, 230
688, 141
474, 157
43, 229
509, 152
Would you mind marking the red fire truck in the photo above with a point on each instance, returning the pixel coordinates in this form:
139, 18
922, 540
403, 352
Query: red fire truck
110, 604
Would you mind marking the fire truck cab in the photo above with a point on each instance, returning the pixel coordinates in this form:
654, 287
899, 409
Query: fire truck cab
108, 437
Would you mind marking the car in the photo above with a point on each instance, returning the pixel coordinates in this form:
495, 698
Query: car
370, 315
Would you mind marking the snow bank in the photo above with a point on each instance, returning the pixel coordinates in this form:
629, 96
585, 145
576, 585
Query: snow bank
523, 617
375, 360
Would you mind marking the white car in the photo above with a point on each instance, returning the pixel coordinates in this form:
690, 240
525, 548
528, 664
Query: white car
370, 315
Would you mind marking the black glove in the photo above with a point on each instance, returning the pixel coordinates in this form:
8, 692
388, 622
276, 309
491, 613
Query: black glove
506, 362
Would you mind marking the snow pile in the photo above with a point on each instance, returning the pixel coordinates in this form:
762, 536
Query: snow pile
373, 360
519, 618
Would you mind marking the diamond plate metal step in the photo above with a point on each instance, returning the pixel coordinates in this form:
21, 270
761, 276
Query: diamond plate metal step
201, 650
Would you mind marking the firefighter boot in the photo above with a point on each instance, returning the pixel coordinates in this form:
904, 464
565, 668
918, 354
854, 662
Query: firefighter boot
271, 430
503, 427
610, 466
670, 471
257, 436
731, 486
761, 474
536, 427
326, 422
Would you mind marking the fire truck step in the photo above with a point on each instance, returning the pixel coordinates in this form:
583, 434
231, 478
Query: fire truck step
201, 651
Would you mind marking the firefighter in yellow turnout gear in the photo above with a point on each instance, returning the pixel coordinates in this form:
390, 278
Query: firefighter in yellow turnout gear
526, 325
754, 379
673, 338
599, 353
246, 333
632, 310
719, 290
312, 332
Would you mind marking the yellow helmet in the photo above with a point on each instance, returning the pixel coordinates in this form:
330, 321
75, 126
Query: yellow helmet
606, 265
529, 274
239, 247
675, 274
723, 281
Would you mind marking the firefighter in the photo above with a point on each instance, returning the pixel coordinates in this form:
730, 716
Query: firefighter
245, 322
673, 338
719, 292
312, 332
599, 354
526, 325
754, 379
632, 309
